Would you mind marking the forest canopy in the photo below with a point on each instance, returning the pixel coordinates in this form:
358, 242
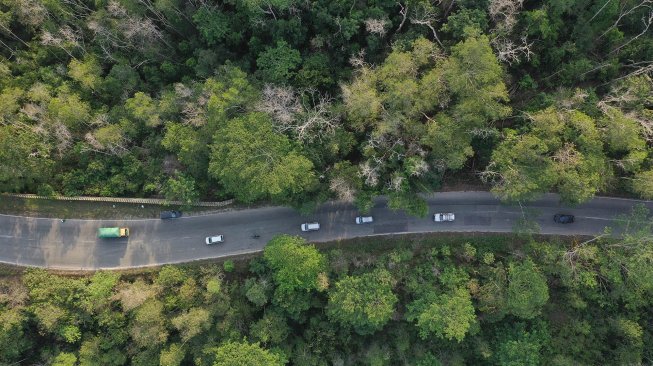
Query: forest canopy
299, 102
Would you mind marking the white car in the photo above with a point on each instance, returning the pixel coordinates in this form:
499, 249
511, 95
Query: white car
442, 217
364, 219
214, 239
310, 226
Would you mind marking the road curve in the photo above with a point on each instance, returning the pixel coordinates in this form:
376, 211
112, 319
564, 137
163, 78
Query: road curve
72, 245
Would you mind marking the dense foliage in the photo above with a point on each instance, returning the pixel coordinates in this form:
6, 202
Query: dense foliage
481, 300
298, 102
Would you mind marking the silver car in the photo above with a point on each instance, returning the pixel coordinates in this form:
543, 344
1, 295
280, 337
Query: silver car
214, 239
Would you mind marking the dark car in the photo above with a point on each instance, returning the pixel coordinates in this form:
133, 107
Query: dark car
563, 219
170, 215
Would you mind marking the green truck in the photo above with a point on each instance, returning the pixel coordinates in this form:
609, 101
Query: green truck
112, 232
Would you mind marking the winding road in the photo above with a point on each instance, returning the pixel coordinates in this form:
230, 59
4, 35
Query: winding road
72, 245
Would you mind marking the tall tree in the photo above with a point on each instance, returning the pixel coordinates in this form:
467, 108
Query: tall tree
561, 151
448, 316
296, 265
365, 302
254, 162
527, 290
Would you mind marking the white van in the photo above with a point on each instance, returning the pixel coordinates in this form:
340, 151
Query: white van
310, 226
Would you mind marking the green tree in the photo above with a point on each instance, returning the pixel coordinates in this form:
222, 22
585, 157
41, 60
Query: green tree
527, 290
120, 83
68, 109
518, 345
181, 188
212, 24
256, 291
475, 77
449, 316
420, 112
97, 293
192, 323
365, 302
10, 103
270, 329
245, 354
13, 335
296, 265
173, 355
624, 139
26, 159
278, 65
95, 351
148, 328
65, 359
144, 109
642, 184
189, 145
87, 73
254, 162
228, 266
561, 151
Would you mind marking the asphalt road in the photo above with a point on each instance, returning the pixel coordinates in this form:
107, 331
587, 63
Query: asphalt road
73, 243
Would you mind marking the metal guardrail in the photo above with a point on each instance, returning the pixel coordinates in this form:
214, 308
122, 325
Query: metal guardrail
153, 201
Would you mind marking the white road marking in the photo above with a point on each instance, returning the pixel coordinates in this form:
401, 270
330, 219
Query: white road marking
594, 218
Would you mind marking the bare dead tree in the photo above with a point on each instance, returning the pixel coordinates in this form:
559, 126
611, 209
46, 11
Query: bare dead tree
49, 39
8, 31
116, 10
599, 11
369, 172
316, 120
646, 20
395, 183
504, 13
281, 103
578, 253
625, 11
112, 149
193, 114
640, 68
343, 189
63, 137
448, 8
376, 26
125, 32
509, 52
626, 95
568, 155
483, 132
384, 148
183, 91
404, 14
358, 60
152, 8
33, 111
419, 168
306, 114
491, 174
426, 16
31, 12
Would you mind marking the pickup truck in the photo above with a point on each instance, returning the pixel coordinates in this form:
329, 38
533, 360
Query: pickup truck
112, 232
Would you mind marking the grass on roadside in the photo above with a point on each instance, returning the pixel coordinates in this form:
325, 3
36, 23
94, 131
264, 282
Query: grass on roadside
86, 209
